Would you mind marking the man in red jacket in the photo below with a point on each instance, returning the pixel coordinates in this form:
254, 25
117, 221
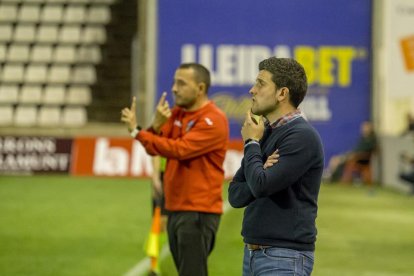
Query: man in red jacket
193, 136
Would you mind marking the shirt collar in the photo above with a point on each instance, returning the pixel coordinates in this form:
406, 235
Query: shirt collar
287, 118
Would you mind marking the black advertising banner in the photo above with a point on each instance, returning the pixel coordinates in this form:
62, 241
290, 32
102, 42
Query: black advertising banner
34, 155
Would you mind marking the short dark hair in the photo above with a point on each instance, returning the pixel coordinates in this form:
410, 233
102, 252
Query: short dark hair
287, 72
201, 73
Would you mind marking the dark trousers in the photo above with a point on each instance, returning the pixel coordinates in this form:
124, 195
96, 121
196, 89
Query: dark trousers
409, 177
191, 236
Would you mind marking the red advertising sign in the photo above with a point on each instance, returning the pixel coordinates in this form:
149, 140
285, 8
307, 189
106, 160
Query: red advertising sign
110, 157
103, 156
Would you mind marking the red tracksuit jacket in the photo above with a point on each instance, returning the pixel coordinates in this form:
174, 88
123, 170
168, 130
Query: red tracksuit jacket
195, 145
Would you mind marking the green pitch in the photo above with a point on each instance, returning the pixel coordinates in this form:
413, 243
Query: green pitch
55, 225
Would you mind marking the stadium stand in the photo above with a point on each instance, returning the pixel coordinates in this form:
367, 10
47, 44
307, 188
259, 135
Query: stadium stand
60, 61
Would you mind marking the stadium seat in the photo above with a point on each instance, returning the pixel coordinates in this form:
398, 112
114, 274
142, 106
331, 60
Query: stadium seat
25, 115
24, 33
6, 115
74, 116
81, 1
79, 95
36, 74
9, 94
30, 94
12, 73
8, 13
49, 116
52, 14
91, 54
64, 54
34, 1
41, 54
59, 74
92, 35
6, 32
47, 34
70, 34
104, 1
18, 53
29, 13
74, 14
99, 14
54, 95
56, 1
84, 75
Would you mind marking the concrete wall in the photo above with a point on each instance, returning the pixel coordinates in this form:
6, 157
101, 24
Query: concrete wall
391, 149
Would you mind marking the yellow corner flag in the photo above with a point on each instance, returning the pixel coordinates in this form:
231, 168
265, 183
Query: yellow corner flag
153, 244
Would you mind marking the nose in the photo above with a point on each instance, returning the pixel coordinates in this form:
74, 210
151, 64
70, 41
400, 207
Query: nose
252, 91
174, 88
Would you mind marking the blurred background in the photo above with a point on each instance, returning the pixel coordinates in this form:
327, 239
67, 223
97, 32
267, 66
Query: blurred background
74, 188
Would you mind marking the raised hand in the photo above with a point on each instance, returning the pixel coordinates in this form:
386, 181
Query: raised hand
163, 112
272, 159
252, 129
128, 116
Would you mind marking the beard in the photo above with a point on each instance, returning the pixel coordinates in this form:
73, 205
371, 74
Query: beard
264, 110
184, 102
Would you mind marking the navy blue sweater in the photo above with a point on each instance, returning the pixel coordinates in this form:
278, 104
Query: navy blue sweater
281, 200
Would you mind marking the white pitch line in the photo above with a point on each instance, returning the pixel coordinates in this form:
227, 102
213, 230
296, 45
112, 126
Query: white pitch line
143, 266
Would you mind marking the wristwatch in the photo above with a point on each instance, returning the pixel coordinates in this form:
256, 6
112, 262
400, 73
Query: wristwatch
250, 140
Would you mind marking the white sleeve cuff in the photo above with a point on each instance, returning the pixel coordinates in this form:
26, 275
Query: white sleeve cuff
252, 142
134, 132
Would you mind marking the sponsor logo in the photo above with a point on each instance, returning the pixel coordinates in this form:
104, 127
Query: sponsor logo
178, 123
208, 121
407, 48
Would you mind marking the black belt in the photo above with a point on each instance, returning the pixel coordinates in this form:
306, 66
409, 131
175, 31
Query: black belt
254, 247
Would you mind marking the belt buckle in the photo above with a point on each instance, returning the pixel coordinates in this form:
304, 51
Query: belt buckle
254, 247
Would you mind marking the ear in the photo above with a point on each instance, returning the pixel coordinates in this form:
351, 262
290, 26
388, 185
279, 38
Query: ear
202, 87
283, 94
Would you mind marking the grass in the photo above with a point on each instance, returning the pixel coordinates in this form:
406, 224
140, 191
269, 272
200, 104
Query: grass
55, 225
71, 226
364, 234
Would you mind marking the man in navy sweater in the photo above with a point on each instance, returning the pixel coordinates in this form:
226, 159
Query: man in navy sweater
280, 175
